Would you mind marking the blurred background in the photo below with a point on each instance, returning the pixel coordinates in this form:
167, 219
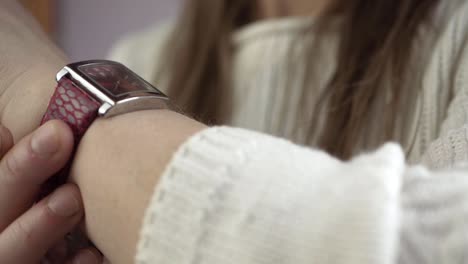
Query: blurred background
87, 29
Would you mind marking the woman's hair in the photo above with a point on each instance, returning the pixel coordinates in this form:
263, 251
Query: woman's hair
376, 41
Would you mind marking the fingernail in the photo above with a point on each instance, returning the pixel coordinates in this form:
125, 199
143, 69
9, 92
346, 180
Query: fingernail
86, 257
44, 141
63, 203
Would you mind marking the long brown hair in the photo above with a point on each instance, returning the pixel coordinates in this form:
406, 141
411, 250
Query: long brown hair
376, 40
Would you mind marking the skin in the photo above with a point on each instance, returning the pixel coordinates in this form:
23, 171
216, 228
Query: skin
29, 231
28, 62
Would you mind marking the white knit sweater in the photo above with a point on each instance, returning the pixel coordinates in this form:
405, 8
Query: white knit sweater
231, 195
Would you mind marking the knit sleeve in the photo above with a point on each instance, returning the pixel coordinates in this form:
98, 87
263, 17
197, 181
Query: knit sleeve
450, 70
434, 216
236, 196
435, 202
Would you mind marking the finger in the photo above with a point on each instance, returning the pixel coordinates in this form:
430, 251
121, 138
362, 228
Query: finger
6, 140
28, 239
28, 164
87, 256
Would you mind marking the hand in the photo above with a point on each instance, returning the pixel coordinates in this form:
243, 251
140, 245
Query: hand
28, 64
29, 231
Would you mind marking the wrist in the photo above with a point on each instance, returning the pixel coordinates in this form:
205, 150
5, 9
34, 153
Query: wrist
117, 166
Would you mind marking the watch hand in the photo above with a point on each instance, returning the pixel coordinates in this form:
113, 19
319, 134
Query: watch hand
117, 85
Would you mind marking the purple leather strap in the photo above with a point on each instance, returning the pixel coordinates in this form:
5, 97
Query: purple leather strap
76, 108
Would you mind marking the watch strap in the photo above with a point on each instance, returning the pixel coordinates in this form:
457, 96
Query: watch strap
72, 105
75, 107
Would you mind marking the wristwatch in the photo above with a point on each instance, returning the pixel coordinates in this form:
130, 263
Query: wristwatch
91, 89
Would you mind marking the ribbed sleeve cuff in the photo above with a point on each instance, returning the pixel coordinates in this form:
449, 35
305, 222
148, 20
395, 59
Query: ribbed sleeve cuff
235, 196
190, 189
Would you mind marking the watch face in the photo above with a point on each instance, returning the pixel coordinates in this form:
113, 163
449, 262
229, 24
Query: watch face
116, 79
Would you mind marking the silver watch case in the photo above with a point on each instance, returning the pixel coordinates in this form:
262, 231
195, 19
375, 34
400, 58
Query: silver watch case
112, 105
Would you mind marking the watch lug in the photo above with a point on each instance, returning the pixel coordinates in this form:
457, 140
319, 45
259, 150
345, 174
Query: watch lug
61, 74
104, 109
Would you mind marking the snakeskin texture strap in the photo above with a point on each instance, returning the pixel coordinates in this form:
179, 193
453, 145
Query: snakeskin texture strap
76, 108
73, 106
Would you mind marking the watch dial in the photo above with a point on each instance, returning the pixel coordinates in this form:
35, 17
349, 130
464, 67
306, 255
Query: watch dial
116, 79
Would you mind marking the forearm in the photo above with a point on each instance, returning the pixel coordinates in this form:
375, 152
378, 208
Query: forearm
25, 101
118, 161
118, 164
